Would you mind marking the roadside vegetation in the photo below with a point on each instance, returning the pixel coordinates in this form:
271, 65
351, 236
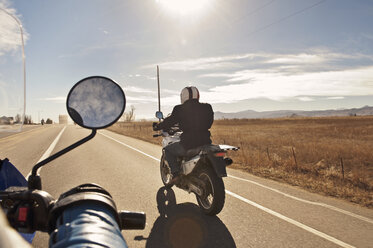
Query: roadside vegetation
330, 155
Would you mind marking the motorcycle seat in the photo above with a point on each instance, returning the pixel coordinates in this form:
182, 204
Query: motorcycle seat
193, 152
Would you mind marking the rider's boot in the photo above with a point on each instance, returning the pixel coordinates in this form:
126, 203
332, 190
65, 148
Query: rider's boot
175, 179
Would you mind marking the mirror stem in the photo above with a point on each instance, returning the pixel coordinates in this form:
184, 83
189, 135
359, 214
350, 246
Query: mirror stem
34, 181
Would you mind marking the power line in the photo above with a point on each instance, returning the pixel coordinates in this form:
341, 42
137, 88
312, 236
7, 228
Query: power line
256, 10
286, 17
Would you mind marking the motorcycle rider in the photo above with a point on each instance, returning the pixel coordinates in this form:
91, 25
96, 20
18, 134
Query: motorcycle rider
195, 120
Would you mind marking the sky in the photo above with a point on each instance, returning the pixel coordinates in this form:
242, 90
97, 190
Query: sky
257, 55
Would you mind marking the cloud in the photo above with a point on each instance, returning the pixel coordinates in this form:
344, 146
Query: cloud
306, 99
135, 89
132, 90
170, 92
313, 58
279, 86
208, 63
302, 58
368, 36
170, 100
57, 99
304, 76
104, 31
138, 95
144, 76
335, 98
136, 75
141, 99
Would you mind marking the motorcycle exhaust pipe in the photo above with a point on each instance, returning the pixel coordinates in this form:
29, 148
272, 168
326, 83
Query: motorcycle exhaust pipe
228, 161
132, 220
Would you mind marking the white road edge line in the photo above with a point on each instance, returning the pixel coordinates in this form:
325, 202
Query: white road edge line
20, 133
48, 152
291, 221
306, 201
133, 148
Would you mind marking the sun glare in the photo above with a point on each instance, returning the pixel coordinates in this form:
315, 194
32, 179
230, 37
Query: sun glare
184, 7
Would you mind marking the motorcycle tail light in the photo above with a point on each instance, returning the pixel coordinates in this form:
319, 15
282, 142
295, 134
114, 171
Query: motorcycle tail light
220, 154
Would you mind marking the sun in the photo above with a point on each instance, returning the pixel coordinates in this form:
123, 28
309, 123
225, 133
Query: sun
184, 7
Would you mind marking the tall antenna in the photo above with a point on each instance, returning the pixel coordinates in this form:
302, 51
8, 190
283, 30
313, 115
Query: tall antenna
159, 91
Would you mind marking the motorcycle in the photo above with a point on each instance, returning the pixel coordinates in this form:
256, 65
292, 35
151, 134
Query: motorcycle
85, 215
202, 170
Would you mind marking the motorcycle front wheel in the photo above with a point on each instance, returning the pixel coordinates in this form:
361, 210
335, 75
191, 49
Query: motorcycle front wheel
166, 175
212, 200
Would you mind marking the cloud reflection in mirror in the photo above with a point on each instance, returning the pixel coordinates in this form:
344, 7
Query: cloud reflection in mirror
96, 102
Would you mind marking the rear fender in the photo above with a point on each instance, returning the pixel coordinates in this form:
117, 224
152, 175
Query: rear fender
218, 164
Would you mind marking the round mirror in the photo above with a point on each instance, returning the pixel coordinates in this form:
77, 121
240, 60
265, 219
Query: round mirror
96, 102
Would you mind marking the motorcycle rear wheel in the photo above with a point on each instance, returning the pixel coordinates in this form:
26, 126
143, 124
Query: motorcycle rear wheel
213, 198
165, 169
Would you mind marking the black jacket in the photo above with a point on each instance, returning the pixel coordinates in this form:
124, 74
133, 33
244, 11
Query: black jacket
194, 119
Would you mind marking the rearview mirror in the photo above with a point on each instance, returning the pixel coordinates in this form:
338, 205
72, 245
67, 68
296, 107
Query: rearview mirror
159, 115
96, 102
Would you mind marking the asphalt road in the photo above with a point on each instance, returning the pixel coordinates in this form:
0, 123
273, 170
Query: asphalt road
257, 212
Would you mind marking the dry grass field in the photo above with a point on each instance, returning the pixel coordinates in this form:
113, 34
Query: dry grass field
332, 156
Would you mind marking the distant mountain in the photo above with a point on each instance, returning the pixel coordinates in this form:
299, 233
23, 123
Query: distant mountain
250, 114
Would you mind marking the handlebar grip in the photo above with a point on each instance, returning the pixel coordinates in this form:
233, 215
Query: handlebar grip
87, 224
132, 220
156, 135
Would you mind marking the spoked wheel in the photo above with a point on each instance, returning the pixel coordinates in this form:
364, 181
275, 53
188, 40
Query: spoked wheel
212, 200
166, 175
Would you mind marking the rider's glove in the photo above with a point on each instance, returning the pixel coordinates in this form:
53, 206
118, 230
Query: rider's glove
155, 126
